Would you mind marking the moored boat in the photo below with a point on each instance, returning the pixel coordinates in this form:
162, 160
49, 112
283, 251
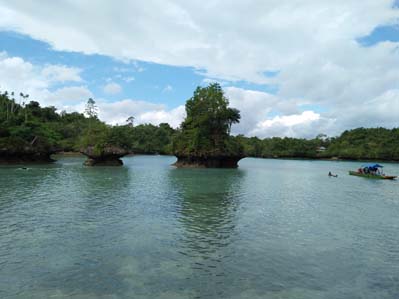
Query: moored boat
372, 171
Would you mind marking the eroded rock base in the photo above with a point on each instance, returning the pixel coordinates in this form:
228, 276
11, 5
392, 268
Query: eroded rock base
23, 158
103, 162
108, 156
201, 162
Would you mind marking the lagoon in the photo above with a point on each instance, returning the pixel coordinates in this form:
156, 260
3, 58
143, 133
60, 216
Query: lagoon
269, 229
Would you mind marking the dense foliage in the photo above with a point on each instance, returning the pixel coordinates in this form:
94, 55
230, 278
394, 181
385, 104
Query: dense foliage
282, 147
29, 127
360, 143
26, 126
206, 130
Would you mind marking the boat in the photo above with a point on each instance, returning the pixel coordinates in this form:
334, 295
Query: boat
372, 171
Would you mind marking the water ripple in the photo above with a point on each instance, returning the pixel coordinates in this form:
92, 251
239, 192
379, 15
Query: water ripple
270, 229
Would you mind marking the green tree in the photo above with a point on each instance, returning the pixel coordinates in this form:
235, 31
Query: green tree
91, 109
206, 128
130, 121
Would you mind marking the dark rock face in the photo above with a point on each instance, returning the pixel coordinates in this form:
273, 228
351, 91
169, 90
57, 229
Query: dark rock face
103, 162
108, 156
27, 155
207, 162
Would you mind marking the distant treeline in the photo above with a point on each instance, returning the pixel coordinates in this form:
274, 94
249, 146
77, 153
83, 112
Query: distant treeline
356, 144
25, 125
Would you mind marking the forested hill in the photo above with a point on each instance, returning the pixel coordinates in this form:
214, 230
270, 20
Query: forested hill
356, 144
29, 127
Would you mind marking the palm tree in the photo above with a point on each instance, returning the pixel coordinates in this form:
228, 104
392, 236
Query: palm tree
130, 121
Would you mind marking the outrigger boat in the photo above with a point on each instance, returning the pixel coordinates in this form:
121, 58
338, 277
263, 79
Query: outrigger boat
372, 171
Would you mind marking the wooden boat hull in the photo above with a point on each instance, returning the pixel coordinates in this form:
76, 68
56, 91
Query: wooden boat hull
371, 176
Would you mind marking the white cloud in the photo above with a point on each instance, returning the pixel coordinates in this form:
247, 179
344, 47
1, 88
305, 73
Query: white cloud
168, 88
143, 112
311, 43
67, 95
19, 75
128, 79
207, 81
289, 125
174, 117
275, 35
131, 66
291, 120
119, 111
137, 67
381, 111
254, 107
112, 88
61, 73
257, 107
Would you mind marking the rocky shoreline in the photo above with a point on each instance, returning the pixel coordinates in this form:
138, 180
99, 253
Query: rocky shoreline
27, 155
207, 162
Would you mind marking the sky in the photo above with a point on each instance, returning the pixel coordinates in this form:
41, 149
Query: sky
293, 68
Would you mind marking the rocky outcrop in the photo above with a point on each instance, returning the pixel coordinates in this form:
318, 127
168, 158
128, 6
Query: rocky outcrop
7, 157
207, 162
14, 151
107, 156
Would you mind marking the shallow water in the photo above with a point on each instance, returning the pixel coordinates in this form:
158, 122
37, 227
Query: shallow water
270, 229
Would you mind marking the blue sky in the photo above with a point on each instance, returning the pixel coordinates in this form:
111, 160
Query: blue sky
141, 80
379, 34
317, 70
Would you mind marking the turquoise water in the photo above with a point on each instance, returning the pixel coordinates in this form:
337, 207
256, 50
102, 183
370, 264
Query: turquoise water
270, 229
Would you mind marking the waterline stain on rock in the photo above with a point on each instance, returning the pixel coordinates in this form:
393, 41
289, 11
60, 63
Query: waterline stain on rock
107, 156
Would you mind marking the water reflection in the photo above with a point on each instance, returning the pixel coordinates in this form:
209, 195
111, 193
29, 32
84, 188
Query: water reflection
99, 184
208, 202
98, 194
146, 230
19, 183
63, 230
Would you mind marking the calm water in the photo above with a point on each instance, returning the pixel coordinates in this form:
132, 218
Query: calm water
270, 229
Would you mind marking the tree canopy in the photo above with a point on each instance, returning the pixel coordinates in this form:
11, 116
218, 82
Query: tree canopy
41, 129
205, 132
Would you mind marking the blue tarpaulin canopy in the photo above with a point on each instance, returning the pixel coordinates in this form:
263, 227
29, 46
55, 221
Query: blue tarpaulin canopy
371, 166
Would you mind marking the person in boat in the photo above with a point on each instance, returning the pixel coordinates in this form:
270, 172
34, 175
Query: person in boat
333, 175
372, 169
